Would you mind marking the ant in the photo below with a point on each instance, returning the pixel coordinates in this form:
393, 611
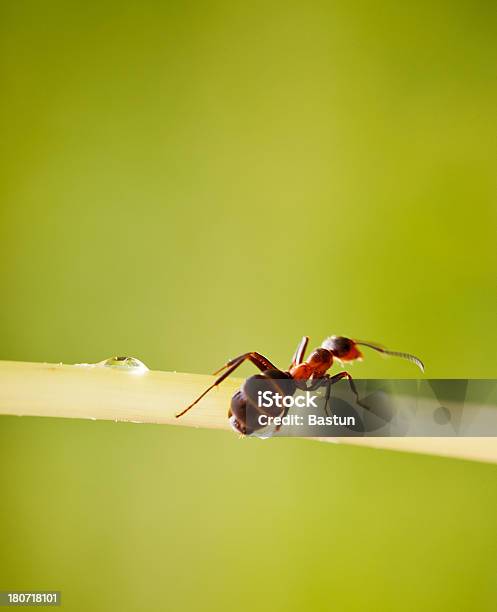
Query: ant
313, 369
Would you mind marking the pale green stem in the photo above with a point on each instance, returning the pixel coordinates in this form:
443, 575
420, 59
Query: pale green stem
110, 393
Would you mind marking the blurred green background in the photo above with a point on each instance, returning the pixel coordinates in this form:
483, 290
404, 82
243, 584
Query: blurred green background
186, 181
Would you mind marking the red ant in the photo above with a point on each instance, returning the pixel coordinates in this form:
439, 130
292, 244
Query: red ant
313, 369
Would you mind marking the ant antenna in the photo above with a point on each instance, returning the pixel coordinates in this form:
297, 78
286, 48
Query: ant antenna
407, 356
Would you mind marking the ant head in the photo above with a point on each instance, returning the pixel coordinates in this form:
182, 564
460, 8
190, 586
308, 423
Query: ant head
342, 348
346, 349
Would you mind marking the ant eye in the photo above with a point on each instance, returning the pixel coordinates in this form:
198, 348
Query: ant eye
343, 345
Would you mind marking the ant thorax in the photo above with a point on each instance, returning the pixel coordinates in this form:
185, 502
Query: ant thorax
315, 366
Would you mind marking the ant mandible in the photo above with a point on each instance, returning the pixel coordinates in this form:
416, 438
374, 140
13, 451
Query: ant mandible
313, 369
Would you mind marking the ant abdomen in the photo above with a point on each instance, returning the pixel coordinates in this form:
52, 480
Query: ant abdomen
251, 401
238, 414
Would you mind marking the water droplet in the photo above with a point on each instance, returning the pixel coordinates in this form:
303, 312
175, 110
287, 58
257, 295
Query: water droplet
129, 364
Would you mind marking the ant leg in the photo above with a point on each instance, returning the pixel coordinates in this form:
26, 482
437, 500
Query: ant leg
259, 360
299, 353
256, 358
327, 397
321, 382
334, 379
